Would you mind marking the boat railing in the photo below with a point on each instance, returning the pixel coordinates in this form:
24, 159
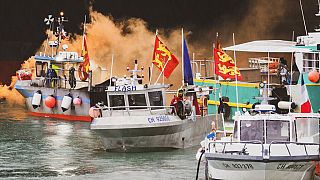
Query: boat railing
137, 110
203, 68
296, 143
62, 82
239, 152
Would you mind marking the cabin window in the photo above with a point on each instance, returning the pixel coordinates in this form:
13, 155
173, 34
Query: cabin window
307, 129
155, 99
41, 68
137, 100
310, 62
235, 130
278, 131
117, 101
251, 130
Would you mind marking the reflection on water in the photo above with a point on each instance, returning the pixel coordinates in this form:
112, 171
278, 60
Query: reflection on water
33, 147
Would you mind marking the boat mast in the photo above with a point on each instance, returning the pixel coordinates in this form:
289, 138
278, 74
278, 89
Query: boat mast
60, 30
304, 21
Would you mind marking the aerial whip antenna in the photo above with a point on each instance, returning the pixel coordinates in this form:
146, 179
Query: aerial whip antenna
304, 21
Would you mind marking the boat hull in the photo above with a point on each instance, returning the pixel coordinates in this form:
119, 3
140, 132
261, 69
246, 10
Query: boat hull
175, 134
74, 113
298, 168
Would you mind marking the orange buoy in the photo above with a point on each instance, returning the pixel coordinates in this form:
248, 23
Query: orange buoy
313, 76
77, 101
50, 101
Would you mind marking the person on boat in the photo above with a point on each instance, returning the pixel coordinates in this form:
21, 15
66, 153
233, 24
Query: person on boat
212, 134
283, 71
175, 102
203, 103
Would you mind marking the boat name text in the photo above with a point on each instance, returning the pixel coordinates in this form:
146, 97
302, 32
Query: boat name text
125, 88
161, 118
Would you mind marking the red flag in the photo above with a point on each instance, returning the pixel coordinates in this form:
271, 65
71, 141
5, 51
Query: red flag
305, 101
163, 58
85, 55
225, 66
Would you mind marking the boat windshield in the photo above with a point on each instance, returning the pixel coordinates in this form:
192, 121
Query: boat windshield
251, 130
278, 130
307, 129
137, 100
155, 99
116, 101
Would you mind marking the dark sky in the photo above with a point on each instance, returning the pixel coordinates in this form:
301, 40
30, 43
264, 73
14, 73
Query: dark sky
22, 29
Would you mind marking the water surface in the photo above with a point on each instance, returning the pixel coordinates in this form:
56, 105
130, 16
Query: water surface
44, 148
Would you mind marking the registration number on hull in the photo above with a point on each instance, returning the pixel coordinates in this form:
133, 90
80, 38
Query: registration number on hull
158, 119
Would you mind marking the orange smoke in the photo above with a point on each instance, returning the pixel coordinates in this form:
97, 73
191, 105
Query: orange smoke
127, 40
9, 93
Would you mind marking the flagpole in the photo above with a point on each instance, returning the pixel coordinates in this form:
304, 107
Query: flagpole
151, 62
162, 72
182, 61
235, 71
84, 30
291, 73
111, 69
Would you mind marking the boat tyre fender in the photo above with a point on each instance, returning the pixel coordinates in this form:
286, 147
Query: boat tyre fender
83, 75
72, 78
180, 109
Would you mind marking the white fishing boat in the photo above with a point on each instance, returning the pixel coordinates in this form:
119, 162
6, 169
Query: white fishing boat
135, 117
265, 145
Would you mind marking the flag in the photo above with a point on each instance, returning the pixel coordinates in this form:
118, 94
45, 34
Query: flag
187, 70
85, 55
305, 101
163, 58
225, 66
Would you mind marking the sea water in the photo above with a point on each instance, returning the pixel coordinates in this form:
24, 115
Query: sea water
43, 148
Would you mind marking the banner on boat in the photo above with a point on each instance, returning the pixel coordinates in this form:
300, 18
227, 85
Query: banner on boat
225, 65
163, 58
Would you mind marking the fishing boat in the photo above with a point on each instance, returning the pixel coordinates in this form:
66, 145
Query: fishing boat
136, 118
265, 145
61, 85
280, 62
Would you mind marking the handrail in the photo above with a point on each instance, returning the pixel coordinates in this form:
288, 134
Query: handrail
290, 142
239, 142
127, 108
262, 146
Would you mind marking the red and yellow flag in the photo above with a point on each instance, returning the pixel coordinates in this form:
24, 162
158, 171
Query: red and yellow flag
225, 66
163, 58
85, 55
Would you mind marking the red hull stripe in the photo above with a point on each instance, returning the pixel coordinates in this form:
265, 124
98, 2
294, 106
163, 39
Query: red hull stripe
62, 116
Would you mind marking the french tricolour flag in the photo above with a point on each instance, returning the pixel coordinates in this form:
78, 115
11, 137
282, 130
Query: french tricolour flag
305, 101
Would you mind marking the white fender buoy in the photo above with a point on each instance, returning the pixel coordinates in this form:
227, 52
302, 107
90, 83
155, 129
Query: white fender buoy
77, 101
94, 112
286, 105
66, 102
36, 99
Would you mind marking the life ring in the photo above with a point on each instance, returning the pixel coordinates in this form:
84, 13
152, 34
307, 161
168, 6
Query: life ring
83, 75
203, 105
